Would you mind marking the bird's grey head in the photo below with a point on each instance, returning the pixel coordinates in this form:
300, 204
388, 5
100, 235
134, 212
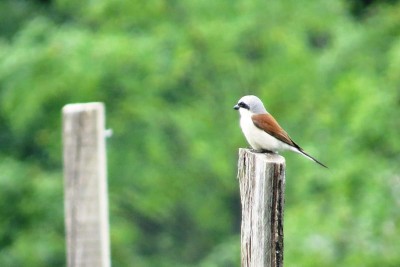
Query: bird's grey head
251, 103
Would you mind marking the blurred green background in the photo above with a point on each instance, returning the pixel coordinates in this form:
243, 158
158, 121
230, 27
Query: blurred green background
169, 73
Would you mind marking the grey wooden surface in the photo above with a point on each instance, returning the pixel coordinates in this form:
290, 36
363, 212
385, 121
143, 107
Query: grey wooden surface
262, 191
85, 183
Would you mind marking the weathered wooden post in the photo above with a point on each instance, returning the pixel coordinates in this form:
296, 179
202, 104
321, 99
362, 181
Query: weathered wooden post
262, 187
85, 182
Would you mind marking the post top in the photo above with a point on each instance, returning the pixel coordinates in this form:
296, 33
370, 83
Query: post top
79, 107
269, 157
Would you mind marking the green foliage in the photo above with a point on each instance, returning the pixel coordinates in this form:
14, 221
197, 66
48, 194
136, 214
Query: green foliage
169, 74
31, 229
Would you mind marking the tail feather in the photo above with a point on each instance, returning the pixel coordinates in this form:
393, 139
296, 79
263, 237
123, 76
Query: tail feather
299, 150
312, 158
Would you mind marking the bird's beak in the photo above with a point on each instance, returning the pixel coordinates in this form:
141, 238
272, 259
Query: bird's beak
236, 107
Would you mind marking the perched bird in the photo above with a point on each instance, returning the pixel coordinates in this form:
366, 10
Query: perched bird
262, 131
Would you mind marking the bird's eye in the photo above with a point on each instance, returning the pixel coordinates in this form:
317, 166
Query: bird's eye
243, 105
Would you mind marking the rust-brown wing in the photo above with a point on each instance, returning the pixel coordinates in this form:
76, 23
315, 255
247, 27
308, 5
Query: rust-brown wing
268, 124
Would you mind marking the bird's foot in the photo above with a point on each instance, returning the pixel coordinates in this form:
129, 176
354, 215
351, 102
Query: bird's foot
262, 151
267, 151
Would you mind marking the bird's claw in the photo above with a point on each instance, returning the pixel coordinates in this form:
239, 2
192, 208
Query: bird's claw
261, 151
267, 151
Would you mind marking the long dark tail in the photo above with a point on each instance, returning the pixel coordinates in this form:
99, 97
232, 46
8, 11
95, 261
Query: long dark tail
301, 151
313, 159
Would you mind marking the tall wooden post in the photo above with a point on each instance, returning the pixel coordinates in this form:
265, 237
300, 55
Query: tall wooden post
85, 182
262, 187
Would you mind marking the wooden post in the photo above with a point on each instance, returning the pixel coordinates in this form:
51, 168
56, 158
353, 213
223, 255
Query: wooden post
85, 182
262, 186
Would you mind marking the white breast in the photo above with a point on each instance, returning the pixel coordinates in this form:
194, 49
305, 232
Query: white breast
257, 138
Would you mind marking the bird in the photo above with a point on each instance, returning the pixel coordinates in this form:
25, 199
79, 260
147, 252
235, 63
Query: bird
262, 131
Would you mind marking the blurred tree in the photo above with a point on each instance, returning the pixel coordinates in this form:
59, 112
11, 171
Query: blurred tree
169, 73
359, 8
